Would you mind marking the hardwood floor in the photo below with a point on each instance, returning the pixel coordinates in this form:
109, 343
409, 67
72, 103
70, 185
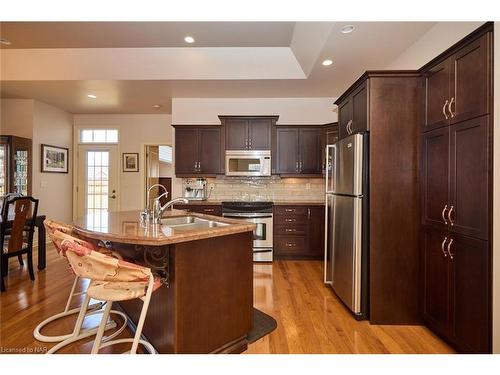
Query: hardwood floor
310, 317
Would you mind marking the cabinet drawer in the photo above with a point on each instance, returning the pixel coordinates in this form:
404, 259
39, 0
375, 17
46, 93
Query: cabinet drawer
202, 209
291, 229
290, 210
289, 244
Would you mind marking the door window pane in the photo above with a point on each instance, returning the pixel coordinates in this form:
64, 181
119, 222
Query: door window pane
97, 183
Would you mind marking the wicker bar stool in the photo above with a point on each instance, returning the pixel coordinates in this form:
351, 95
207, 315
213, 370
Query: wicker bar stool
111, 280
92, 309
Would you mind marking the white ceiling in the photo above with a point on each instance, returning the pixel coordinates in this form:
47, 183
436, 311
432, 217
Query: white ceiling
278, 60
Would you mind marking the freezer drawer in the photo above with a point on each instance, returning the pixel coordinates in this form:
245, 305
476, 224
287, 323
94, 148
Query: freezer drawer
348, 166
346, 252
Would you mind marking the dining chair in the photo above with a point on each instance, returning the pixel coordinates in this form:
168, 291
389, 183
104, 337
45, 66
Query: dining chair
16, 233
111, 280
6, 198
67, 231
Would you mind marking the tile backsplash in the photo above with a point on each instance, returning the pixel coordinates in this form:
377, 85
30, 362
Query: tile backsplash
271, 188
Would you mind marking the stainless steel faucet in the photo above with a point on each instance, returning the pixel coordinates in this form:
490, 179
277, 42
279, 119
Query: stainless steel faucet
159, 210
149, 214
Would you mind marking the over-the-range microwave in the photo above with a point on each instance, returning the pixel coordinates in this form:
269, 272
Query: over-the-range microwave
248, 163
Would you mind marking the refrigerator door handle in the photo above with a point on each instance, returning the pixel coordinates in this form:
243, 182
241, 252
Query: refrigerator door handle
330, 153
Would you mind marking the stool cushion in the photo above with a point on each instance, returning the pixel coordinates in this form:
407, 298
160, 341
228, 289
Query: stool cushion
119, 290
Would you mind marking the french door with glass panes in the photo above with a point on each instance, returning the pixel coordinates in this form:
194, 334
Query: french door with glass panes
98, 169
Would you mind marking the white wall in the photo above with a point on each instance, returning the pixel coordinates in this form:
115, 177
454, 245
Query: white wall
291, 110
135, 131
52, 126
49, 125
439, 38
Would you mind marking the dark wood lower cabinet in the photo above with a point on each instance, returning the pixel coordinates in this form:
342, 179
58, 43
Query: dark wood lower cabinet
299, 232
456, 293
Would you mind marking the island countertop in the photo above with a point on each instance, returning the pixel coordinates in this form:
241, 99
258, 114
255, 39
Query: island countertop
125, 227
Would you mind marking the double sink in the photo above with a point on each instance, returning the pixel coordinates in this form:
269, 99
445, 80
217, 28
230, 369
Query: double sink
190, 223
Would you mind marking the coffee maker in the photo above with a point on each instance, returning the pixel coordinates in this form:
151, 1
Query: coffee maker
196, 189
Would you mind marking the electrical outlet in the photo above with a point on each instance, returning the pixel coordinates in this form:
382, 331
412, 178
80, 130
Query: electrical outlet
43, 184
308, 186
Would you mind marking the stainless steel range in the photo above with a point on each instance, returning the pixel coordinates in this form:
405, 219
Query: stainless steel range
261, 214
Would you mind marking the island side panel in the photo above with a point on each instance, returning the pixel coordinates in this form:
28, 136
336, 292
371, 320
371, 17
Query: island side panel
213, 293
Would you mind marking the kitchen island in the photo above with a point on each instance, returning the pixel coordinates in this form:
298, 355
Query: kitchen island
205, 262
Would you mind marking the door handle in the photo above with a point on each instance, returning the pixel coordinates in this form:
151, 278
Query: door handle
199, 166
442, 246
449, 215
449, 108
444, 109
348, 127
449, 247
296, 166
112, 196
443, 213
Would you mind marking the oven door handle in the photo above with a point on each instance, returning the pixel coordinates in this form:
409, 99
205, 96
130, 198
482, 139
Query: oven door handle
247, 217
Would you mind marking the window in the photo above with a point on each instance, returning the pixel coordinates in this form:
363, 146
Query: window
99, 136
165, 153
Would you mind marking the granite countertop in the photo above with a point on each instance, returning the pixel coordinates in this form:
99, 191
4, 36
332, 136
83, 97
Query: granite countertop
277, 202
125, 227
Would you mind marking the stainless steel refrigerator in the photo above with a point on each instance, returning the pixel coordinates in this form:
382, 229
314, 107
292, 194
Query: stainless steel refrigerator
346, 232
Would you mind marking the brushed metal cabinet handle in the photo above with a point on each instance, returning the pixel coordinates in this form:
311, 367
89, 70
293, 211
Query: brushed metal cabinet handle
449, 215
449, 108
449, 247
444, 109
442, 246
296, 166
443, 213
289, 210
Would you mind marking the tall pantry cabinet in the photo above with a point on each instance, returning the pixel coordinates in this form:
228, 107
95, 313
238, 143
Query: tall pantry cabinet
456, 193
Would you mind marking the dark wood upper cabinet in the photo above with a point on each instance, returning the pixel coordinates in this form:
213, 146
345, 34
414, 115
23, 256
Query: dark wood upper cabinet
470, 80
248, 132
470, 294
236, 134
310, 150
299, 150
198, 150
436, 279
344, 117
359, 110
353, 112
210, 150
458, 87
434, 177
287, 150
437, 95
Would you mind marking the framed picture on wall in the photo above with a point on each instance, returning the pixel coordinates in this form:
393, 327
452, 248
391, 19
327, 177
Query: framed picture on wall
54, 159
130, 162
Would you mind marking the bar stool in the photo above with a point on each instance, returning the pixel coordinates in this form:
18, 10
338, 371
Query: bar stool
111, 280
92, 309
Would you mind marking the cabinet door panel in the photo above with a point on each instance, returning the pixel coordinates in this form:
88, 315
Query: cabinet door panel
310, 150
360, 110
236, 134
210, 151
436, 296
469, 178
287, 140
470, 80
344, 115
470, 294
259, 131
316, 231
437, 94
435, 169
186, 150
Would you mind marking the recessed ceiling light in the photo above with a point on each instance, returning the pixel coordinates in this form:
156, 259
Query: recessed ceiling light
327, 62
189, 39
156, 106
5, 41
91, 96
347, 29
